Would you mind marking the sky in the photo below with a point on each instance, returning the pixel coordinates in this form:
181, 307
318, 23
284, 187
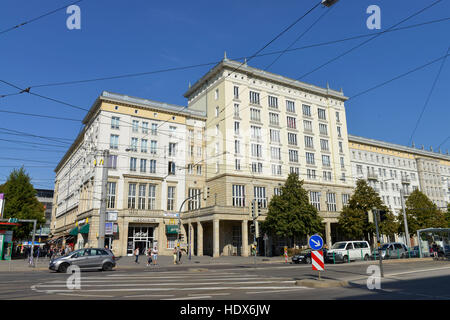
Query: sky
123, 37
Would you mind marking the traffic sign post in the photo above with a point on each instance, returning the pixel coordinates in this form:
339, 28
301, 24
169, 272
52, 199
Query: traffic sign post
316, 245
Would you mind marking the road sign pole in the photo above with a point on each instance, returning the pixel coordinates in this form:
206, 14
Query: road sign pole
375, 217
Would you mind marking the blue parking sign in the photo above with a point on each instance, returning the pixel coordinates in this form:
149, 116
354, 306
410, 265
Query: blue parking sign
316, 242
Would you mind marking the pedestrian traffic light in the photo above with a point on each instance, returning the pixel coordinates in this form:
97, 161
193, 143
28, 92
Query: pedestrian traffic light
383, 215
252, 228
258, 212
253, 209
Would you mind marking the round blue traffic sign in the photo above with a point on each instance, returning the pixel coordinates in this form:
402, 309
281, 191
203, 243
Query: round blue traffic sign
316, 242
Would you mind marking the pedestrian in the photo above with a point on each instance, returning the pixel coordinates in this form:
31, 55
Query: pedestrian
175, 256
155, 255
149, 256
136, 253
179, 256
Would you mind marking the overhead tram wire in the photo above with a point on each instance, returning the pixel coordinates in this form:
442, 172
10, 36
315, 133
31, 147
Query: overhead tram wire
429, 95
37, 18
368, 40
443, 142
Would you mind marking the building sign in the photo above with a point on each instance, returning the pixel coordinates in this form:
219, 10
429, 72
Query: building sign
112, 215
109, 228
170, 215
144, 220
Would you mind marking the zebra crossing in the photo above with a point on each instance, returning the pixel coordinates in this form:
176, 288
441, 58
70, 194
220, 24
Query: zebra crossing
177, 285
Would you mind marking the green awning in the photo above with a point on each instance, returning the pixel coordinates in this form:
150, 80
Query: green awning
171, 229
74, 231
85, 228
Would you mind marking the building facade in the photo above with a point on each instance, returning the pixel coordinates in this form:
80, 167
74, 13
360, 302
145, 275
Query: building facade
45, 196
147, 163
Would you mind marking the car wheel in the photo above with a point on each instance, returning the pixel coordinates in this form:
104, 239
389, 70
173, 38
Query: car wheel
366, 257
107, 266
308, 260
63, 267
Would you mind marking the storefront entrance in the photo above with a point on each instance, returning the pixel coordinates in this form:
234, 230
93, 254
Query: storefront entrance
139, 236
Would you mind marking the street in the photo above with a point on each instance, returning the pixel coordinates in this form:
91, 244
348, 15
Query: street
411, 280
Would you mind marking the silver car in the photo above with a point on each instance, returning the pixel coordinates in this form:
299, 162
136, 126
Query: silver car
394, 250
92, 258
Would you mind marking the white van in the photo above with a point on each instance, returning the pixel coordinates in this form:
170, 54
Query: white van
346, 251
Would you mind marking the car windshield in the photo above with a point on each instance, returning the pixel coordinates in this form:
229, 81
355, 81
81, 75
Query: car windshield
339, 245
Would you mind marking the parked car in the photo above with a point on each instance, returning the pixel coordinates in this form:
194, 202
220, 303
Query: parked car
305, 256
414, 252
92, 258
345, 251
393, 250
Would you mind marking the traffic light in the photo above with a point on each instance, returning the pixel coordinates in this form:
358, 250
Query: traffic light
256, 229
383, 215
258, 213
252, 228
253, 209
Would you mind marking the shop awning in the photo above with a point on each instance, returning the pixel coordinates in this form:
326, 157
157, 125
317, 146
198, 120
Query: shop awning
74, 231
85, 229
172, 229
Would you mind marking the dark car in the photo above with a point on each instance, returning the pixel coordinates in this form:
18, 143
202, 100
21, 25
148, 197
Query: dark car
305, 256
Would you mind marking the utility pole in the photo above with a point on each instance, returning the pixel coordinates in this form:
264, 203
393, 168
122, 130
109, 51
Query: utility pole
375, 217
102, 211
408, 240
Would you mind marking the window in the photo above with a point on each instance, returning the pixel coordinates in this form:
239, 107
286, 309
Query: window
276, 170
321, 113
273, 102
217, 111
274, 119
145, 127
112, 161
292, 138
275, 153
172, 167
133, 162
277, 191
216, 94
290, 106
291, 123
254, 97
293, 155
327, 176
337, 117
134, 143
190, 168
345, 199
172, 149
315, 199
236, 110
143, 165
170, 198
153, 146
326, 161
135, 126
256, 150
154, 129
342, 163
295, 170
310, 158
132, 196
144, 143
199, 169
274, 136
255, 132
111, 196
115, 122
309, 142
324, 145
311, 174
236, 128
323, 129
255, 114
257, 167
260, 196
307, 125
151, 196
341, 149
141, 197
339, 132
152, 168
237, 147
236, 92
306, 110
331, 202
199, 151
237, 164
194, 203
238, 195
114, 142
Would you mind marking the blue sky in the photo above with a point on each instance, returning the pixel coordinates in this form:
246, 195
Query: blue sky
118, 37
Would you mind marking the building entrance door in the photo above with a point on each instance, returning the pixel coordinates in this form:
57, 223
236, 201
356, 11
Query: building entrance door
139, 236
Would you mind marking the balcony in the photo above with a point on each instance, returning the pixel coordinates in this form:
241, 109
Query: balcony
372, 176
406, 180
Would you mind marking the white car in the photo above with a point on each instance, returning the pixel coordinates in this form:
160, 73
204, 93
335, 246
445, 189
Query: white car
346, 251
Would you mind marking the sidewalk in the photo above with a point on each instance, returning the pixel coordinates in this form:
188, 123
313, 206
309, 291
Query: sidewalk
127, 263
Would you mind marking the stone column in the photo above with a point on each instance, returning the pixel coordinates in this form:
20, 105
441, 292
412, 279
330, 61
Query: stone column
191, 238
328, 234
199, 239
244, 250
216, 249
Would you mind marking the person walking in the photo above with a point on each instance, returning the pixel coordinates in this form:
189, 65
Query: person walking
179, 256
155, 255
136, 253
149, 256
175, 256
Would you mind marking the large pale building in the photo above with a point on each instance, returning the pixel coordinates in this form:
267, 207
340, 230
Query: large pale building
260, 127
146, 179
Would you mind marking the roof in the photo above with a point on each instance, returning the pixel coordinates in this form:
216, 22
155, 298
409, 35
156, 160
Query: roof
255, 72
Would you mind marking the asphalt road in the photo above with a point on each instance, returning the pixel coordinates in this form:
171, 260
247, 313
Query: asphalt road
404, 280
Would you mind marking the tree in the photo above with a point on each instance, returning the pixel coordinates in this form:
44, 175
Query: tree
353, 221
290, 214
21, 202
422, 213
447, 216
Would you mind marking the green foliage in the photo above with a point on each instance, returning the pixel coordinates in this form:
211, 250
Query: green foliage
422, 213
21, 203
354, 222
290, 214
447, 216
